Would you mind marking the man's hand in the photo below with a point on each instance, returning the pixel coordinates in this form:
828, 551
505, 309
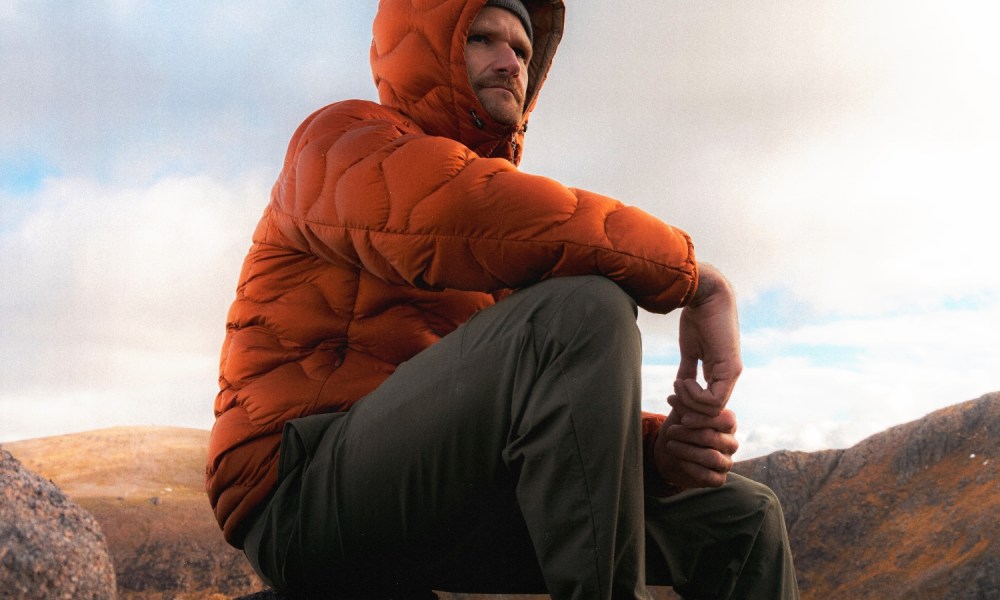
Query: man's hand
709, 333
696, 450
696, 443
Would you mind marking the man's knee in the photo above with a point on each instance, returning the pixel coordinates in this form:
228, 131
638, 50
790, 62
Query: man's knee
706, 538
604, 298
762, 512
593, 301
740, 507
752, 498
588, 325
768, 570
773, 530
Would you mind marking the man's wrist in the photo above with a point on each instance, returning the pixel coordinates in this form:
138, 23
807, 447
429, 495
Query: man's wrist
710, 283
706, 284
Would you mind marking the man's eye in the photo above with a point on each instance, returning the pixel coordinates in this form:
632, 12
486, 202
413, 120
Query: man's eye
476, 37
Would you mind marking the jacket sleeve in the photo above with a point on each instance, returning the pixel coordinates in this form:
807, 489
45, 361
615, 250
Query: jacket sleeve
363, 187
653, 483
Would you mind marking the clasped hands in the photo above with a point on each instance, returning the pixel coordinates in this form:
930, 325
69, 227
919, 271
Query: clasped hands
695, 444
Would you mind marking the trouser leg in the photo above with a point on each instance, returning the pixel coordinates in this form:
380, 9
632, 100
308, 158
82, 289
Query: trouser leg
724, 543
535, 399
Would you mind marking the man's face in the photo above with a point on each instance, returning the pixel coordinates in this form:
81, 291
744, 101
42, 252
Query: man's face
497, 54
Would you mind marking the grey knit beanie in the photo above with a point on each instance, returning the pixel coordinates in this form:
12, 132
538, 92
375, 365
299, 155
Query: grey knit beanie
516, 7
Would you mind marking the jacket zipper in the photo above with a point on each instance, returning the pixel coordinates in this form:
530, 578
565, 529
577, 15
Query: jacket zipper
515, 148
476, 120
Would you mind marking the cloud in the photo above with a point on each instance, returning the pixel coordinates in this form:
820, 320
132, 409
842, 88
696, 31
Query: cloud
136, 90
115, 299
834, 159
831, 384
841, 151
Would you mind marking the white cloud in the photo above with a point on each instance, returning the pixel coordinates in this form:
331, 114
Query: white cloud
842, 151
857, 225
120, 294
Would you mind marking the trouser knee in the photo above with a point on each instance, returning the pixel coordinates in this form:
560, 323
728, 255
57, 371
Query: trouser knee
773, 533
753, 498
595, 304
713, 541
597, 324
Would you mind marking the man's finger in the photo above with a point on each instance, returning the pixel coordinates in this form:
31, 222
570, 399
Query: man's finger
688, 369
724, 443
699, 476
708, 458
724, 422
697, 398
722, 389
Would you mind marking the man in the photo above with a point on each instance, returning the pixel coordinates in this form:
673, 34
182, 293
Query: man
430, 378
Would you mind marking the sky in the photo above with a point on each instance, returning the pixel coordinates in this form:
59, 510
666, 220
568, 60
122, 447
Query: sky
836, 159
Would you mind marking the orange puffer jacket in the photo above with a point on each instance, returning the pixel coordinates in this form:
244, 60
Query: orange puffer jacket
389, 226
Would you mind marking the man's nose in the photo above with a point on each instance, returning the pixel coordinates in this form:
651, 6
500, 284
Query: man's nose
506, 61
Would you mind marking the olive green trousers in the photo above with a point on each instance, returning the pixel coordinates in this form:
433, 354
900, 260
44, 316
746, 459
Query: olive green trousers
507, 458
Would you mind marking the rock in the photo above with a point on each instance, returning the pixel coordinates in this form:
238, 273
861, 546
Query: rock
145, 486
49, 546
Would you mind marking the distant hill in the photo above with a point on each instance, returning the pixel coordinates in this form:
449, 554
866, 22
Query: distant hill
907, 513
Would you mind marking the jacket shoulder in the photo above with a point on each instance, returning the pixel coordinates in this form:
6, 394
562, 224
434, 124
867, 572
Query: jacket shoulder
340, 116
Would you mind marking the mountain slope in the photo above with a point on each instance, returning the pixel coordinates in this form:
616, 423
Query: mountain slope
907, 513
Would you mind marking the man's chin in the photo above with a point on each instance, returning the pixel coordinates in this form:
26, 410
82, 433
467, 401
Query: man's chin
506, 116
506, 112
510, 120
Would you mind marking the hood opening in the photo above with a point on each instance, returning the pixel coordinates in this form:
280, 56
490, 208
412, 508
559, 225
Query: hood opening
418, 64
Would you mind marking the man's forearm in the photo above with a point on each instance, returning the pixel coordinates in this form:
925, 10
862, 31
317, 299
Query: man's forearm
709, 337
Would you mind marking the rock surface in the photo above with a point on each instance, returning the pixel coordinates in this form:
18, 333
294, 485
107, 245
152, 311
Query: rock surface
49, 546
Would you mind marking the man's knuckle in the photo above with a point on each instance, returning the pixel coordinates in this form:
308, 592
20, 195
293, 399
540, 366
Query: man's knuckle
721, 462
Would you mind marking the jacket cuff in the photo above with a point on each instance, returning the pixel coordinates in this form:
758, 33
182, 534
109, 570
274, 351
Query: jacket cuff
653, 484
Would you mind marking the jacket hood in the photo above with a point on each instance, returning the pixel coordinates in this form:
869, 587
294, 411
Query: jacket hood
418, 62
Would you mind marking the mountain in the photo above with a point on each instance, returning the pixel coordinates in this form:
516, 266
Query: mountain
907, 513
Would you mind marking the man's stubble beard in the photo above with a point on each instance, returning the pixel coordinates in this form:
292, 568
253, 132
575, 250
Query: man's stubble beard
505, 113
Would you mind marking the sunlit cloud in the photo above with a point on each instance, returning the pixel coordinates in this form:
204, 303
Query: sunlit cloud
120, 294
